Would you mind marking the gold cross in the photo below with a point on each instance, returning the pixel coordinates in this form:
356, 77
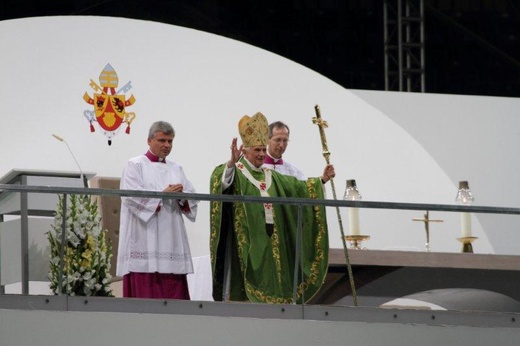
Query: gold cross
427, 221
322, 124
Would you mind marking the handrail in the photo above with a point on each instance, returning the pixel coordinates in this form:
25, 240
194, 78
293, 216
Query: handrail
253, 199
299, 202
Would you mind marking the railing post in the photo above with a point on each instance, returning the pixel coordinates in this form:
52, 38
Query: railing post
298, 255
62, 245
24, 239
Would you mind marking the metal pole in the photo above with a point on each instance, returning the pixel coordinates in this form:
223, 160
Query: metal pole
423, 68
409, 85
62, 245
297, 254
386, 48
2, 288
24, 238
400, 44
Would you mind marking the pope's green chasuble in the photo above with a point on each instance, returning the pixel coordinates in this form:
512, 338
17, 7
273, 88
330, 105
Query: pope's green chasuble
261, 257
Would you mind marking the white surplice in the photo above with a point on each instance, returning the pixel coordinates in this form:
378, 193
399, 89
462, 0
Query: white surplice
153, 240
287, 168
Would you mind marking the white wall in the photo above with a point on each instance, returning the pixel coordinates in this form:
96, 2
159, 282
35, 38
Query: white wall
33, 327
471, 138
398, 147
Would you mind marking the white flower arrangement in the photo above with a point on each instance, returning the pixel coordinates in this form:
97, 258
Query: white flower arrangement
86, 268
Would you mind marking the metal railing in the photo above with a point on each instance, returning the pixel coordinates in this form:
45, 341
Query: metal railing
252, 199
24, 190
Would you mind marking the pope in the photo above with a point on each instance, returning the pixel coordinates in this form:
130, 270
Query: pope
252, 245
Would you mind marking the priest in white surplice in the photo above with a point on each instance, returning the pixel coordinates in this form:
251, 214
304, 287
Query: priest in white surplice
154, 255
276, 146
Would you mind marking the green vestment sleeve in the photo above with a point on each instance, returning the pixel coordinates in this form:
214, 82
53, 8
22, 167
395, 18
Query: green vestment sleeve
262, 263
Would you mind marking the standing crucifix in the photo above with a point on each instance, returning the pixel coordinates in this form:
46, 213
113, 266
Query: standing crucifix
427, 221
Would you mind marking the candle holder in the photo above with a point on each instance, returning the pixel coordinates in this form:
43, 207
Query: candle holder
466, 244
356, 240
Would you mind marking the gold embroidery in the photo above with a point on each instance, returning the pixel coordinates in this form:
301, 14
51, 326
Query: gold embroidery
275, 244
319, 256
239, 211
216, 209
259, 295
241, 237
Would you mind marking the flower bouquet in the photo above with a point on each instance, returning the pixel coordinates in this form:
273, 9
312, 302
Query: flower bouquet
87, 251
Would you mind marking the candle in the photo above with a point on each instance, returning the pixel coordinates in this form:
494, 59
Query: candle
464, 197
353, 220
465, 224
352, 194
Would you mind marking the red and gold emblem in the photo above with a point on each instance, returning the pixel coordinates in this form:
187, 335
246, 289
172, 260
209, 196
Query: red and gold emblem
109, 105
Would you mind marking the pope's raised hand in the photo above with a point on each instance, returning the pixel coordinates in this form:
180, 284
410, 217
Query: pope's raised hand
235, 152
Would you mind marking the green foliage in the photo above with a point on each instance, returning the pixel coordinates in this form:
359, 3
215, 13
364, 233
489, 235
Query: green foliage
87, 252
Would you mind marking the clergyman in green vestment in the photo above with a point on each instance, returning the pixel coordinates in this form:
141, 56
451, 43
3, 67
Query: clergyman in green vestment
252, 244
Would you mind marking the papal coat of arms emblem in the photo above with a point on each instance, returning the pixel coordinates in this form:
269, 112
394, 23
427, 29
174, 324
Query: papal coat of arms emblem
109, 104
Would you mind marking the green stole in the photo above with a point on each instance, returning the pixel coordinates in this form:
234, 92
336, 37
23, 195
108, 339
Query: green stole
262, 266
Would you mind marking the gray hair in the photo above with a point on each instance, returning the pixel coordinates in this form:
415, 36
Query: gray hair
161, 126
277, 125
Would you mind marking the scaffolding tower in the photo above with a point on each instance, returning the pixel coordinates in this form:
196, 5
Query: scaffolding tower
404, 45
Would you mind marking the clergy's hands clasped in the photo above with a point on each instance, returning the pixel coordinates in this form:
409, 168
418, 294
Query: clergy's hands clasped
328, 173
236, 152
174, 188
